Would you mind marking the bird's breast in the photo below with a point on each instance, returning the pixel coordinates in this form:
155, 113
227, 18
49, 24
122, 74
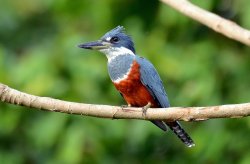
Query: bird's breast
132, 89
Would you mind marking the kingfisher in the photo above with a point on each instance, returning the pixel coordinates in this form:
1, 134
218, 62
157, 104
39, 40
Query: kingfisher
135, 77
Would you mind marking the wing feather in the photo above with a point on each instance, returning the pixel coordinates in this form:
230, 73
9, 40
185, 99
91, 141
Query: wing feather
151, 79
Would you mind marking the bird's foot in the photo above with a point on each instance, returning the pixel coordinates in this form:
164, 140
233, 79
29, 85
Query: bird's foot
145, 108
125, 106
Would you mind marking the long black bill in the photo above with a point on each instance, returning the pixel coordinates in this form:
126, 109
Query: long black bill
97, 45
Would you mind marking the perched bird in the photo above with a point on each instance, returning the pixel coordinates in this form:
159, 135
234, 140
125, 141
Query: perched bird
135, 77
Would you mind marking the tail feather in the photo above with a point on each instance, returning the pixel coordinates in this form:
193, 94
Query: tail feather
180, 132
160, 125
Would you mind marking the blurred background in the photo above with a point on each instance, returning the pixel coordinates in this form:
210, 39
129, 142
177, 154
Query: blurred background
39, 55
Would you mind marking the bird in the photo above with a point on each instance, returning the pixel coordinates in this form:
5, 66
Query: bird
135, 77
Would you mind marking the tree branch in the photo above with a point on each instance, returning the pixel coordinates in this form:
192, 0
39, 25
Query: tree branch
217, 23
13, 96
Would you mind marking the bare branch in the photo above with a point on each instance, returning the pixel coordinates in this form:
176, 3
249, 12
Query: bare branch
217, 23
13, 96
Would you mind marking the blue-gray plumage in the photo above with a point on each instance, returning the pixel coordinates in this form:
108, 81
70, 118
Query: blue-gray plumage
135, 77
124, 62
151, 79
119, 33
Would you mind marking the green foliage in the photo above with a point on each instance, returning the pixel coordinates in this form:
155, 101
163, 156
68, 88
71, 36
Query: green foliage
199, 67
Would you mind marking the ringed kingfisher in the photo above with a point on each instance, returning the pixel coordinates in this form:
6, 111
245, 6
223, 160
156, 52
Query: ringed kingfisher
135, 77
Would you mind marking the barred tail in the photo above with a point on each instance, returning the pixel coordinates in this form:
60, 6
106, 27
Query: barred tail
177, 129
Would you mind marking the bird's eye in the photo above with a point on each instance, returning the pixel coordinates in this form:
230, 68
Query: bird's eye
114, 39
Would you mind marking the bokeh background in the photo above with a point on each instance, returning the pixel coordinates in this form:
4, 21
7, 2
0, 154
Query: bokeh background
39, 55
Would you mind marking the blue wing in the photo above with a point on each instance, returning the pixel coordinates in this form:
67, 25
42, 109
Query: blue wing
151, 79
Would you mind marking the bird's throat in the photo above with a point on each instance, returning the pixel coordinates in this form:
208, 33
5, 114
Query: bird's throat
113, 52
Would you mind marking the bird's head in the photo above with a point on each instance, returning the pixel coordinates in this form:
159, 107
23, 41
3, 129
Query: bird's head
113, 43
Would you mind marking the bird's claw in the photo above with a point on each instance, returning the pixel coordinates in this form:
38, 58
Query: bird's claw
145, 108
125, 106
